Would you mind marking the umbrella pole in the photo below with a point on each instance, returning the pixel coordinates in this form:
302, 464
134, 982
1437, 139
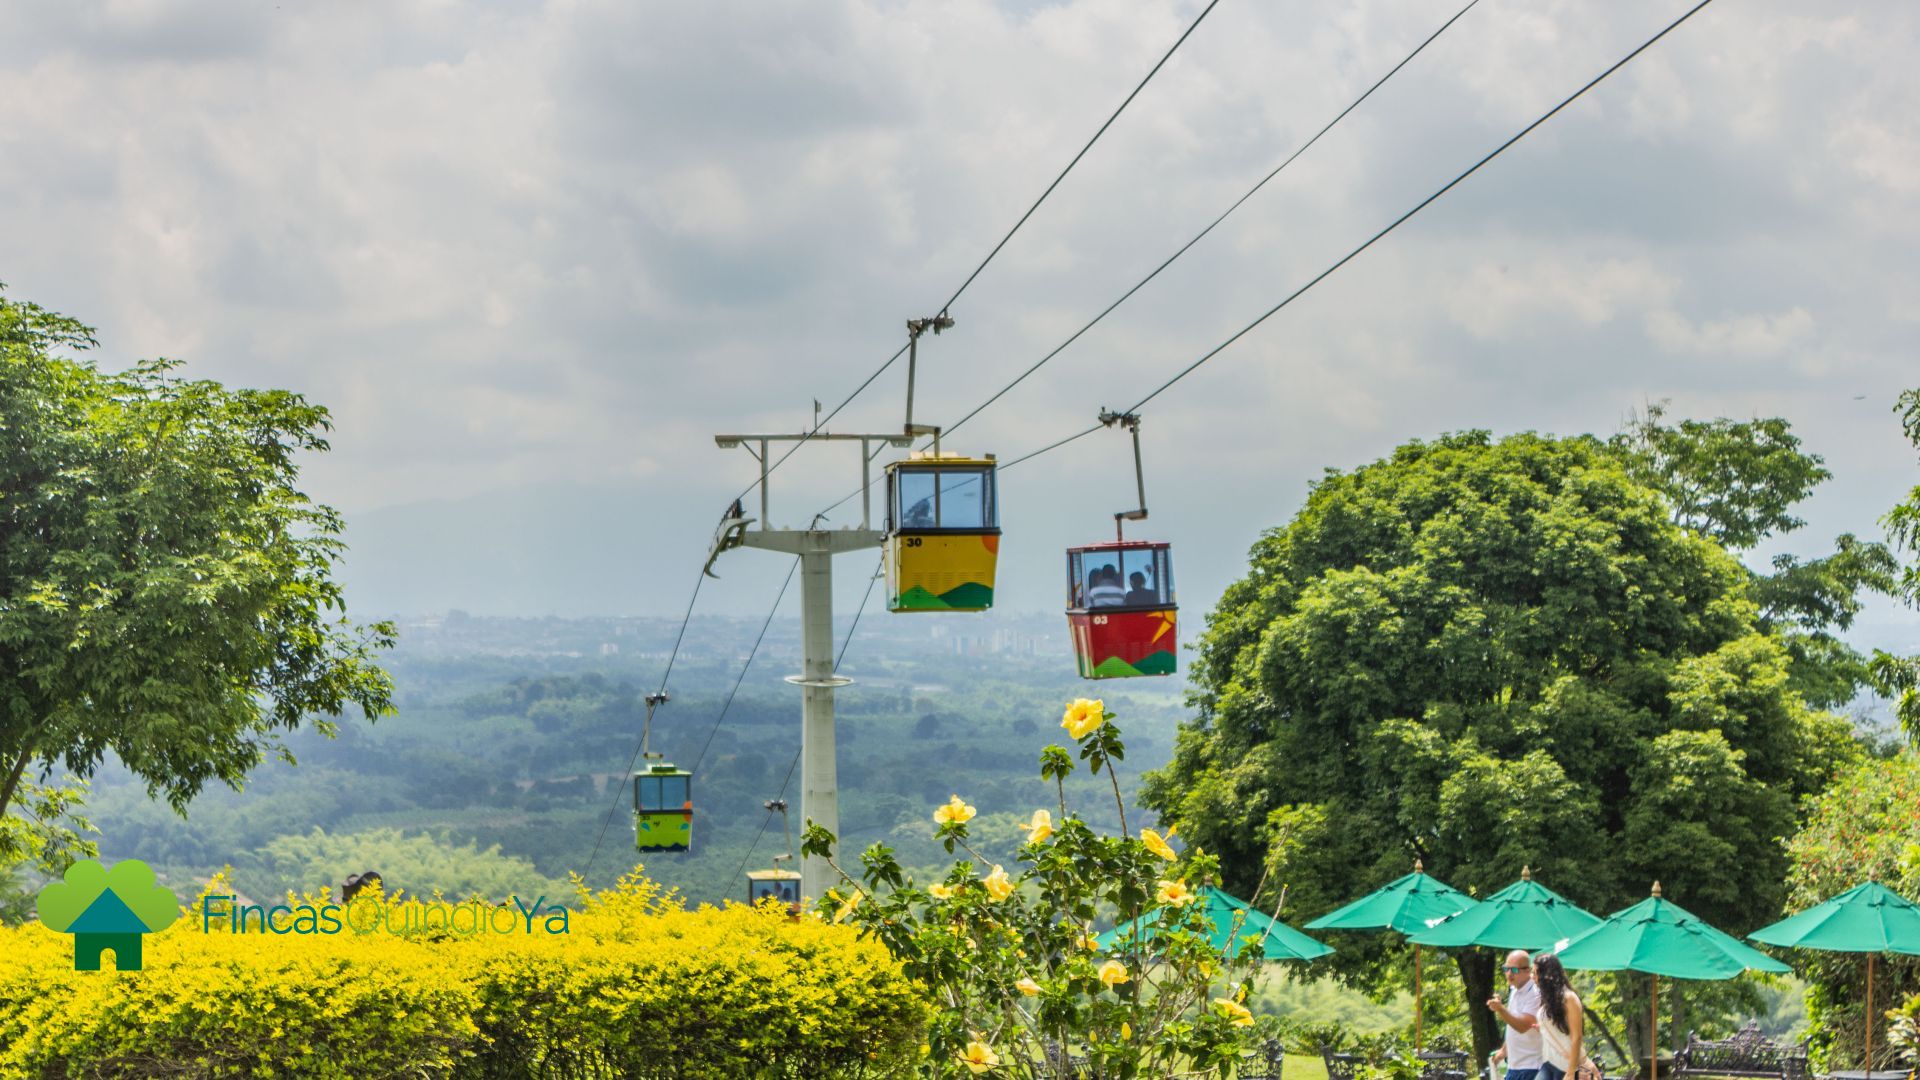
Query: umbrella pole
1416, 998
1653, 1031
1867, 1064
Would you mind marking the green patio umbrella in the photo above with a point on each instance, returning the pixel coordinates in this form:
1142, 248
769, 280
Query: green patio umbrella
1408, 904
1869, 918
1524, 915
1228, 917
1658, 937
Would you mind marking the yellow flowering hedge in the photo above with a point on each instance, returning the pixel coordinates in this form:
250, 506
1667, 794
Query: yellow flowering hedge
636, 988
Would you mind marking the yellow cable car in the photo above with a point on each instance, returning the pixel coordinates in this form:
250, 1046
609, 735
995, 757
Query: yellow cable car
943, 533
663, 808
782, 886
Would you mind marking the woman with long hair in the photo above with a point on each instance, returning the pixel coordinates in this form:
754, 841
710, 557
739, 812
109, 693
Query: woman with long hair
1562, 1018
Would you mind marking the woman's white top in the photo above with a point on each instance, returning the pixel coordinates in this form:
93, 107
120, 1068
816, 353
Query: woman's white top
1556, 1045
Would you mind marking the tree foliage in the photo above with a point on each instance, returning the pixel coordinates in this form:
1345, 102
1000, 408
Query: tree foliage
166, 591
1488, 655
1736, 482
419, 864
1865, 827
1898, 677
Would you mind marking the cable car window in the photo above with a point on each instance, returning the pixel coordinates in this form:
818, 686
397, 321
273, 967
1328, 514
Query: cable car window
1102, 579
1143, 577
646, 793
913, 499
965, 502
673, 791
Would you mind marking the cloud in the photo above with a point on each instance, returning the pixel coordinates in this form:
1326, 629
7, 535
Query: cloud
1743, 335
518, 246
1496, 299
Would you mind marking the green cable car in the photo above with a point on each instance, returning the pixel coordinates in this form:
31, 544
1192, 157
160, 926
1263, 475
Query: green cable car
663, 808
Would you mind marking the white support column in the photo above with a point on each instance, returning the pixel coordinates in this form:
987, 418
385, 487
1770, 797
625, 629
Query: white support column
820, 789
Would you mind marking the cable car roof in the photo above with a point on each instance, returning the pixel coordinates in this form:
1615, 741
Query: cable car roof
1121, 545
926, 460
773, 875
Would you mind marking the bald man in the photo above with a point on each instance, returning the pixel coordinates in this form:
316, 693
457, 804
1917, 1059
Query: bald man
1522, 1048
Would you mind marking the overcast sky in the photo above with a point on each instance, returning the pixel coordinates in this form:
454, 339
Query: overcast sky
534, 256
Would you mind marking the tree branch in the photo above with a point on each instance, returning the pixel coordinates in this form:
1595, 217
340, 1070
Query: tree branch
13, 778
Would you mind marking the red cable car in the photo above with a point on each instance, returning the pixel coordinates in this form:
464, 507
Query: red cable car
1120, 606
1121, 610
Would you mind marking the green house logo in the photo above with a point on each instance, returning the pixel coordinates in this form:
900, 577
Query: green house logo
107, 909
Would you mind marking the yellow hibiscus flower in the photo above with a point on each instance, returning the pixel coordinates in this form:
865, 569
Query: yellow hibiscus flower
979, 1057
1157, 845
955, 811
1175, 894
1084, 717
1235, 1012
997, 884
1027, 987
1126, 1031
846, 907
940, 892
1113, 973
1039, 828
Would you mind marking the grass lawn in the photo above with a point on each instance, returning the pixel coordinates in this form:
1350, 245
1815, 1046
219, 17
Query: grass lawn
1304, 1067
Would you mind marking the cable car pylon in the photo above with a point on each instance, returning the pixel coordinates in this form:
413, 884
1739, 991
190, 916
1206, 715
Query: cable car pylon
1121, 612
816, 547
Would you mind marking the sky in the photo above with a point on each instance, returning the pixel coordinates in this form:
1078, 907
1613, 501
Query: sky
535, 256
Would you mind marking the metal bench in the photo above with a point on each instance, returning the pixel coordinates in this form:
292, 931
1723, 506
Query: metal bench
1263, 1063
1747, 1053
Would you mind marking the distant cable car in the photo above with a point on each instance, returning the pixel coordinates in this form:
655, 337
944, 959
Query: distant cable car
663, 808
943, 532
781, 885
777, 884
1120, 602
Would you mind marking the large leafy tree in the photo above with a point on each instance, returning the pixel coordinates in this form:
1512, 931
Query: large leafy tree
1487, 655
166, 592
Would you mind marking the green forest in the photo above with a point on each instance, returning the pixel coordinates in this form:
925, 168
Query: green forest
496, 774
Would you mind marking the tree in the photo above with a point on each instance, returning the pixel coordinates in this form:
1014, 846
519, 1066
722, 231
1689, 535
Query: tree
1489, 655
418, 863
1898, 677
1865, 827
166, 592
1736, 483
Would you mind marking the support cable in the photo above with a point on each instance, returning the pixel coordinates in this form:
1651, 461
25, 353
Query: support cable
620, 791
1375, 238
751, 653
1202, 234
1168, 55
949, 429
1422, 205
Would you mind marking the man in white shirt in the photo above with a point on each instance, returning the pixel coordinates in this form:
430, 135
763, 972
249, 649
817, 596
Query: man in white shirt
1522, 1048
